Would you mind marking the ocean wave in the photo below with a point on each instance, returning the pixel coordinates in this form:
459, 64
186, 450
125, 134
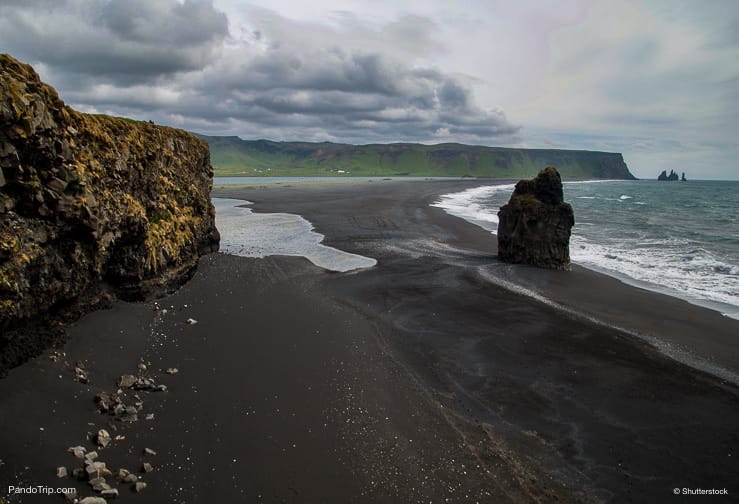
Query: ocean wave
650, 248
249, 234
688, 274
474, 206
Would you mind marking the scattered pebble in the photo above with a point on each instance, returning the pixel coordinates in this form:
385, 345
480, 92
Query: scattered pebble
126, 381
80, 374
56, 356
93, 500
110, 493
78, 451
99, 484
102, 438
95, 471
191, 321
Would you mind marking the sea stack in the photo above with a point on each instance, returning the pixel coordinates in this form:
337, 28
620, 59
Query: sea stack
534, 227
672, 177
90, 207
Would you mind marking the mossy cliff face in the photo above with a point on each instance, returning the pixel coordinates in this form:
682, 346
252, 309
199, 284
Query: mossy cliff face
90, 204
534, 227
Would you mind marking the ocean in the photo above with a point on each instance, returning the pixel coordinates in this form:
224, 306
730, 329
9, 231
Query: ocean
249, 234
677, 238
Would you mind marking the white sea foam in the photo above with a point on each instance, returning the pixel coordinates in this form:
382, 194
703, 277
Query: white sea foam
667, 265
473, 205
249, 234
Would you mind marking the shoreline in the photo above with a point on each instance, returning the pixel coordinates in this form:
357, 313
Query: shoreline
726, 310
678, 335
414, 380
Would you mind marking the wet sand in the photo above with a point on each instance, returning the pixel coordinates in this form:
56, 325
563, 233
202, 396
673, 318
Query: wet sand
418, 380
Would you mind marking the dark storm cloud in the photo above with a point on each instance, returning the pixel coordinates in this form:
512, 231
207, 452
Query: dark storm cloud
167, 60
131, 40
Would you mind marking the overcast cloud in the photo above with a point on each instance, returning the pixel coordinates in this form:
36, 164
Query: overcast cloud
655, 80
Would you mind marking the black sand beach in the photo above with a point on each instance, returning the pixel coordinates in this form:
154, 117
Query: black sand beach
422, 379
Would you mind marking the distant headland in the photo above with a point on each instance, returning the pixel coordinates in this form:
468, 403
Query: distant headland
232, 156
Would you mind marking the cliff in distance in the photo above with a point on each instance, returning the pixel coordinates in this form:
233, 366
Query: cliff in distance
90, 207
233, 156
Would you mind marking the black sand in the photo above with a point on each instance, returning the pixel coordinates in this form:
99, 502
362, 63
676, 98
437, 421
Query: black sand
418, 380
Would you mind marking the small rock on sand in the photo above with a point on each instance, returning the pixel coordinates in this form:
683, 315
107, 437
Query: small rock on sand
147, 467
93, 500
149, 451
61, 472
126, 381
140, 485
172, 370
191, 321
99, 484
111, 493
103, 438
78, 451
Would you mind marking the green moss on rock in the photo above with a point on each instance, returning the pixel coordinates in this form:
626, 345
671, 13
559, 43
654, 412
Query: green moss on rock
82, 198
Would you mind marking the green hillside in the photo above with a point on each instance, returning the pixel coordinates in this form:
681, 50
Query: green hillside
232, 156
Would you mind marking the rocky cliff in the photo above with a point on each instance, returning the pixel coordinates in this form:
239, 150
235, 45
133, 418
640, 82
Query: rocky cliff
534, 227
90, 206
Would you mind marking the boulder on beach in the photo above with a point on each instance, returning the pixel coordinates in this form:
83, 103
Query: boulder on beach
534, 227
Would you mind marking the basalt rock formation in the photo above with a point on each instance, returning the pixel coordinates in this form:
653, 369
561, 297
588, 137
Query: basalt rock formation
672, 177
90, 207
534, 227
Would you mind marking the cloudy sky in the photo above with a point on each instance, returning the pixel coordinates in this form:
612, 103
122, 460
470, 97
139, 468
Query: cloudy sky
656, 80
